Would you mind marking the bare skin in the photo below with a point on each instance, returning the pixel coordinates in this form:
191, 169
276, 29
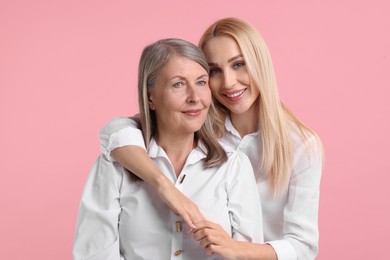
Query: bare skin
231, 85
136, 160
214, 240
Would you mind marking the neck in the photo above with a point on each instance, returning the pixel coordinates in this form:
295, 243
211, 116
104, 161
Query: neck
177, 148
247, 122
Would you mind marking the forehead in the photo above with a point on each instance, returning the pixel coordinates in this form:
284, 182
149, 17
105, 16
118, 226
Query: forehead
179, 66
221, 48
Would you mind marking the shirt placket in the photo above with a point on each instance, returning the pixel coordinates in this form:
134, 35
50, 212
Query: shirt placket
244, 142
177, 227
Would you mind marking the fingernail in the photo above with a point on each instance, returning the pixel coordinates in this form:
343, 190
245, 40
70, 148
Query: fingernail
190, 229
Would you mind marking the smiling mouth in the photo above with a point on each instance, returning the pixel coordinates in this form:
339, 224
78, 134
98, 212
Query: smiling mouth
236, 94
193, 112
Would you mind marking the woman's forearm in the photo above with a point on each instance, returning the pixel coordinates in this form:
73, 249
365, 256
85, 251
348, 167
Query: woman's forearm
136, 160
214, 240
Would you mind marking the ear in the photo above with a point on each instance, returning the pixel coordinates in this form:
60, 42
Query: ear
150, 103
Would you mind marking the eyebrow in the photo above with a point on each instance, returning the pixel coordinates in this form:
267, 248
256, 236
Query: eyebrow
184, 78
204, 75
235, 57
229, 60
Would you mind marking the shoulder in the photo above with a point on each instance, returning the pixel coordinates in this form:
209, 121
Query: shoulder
308, 152
105, 174
238, 163
306, 141
118, 123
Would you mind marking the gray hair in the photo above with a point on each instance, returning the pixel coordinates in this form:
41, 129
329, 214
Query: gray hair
153, 60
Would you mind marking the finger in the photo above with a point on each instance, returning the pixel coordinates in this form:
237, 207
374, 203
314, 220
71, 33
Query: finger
212, 238
204, 224
215, 249
195, 216
189, 222
209, 250
191, 218
206, 241
200, 234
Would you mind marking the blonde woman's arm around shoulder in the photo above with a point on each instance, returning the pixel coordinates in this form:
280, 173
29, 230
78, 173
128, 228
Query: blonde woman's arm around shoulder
122, 141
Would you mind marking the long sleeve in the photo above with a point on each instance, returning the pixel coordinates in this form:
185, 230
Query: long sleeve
119, 132
96, 236
244, 201
300, 226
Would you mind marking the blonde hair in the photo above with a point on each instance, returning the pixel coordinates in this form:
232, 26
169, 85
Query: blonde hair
276, 122
153, 60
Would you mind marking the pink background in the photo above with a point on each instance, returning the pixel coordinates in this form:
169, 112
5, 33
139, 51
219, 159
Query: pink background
67, 67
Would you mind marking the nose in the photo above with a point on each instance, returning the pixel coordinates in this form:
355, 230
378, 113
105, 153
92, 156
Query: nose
192, 94
229, 79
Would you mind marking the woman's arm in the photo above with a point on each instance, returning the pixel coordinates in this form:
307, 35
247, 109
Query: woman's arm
122, 140
300, 214
214, 240
136, 160
244, 206
97, 235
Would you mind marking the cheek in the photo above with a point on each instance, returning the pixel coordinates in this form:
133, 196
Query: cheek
166, 105
243, 76
206, 97
214, 85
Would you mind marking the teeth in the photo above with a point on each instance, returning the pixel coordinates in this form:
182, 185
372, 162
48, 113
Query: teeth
235, 94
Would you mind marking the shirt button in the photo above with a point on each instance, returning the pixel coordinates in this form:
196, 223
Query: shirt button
178, 252
179, 227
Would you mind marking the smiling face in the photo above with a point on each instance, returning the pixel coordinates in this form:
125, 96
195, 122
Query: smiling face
230, 82
180, 97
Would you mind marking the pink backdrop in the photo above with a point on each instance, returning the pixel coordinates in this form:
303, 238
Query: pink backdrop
67, 67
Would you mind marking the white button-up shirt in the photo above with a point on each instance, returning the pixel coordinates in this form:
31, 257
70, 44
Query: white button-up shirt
120, 218
290, 220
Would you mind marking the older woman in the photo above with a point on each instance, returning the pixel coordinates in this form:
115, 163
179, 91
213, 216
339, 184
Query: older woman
122, 217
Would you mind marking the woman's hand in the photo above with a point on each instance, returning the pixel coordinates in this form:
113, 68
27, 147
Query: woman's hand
179, 203
214, 240
136, 160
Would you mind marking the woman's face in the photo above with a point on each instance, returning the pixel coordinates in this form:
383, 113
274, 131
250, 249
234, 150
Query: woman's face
181, 97
230, 82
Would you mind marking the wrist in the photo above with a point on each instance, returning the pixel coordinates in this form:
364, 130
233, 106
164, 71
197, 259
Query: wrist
243, 252
161, 182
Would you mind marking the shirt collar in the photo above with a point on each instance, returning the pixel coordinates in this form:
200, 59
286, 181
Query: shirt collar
197, 154
230, 127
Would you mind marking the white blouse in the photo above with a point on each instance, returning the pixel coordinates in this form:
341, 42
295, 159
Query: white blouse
121, 218
290, 220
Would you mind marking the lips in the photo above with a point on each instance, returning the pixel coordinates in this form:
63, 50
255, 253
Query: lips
192, 112
234, 96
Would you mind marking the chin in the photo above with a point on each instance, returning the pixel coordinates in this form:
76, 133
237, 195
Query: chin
239, 108
193, 129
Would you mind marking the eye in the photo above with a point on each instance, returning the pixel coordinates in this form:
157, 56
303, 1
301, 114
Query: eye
214, 71
238, 64
178, 84
202, 83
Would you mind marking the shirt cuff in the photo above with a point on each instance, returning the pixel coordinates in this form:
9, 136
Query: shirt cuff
124, 137
283, 249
